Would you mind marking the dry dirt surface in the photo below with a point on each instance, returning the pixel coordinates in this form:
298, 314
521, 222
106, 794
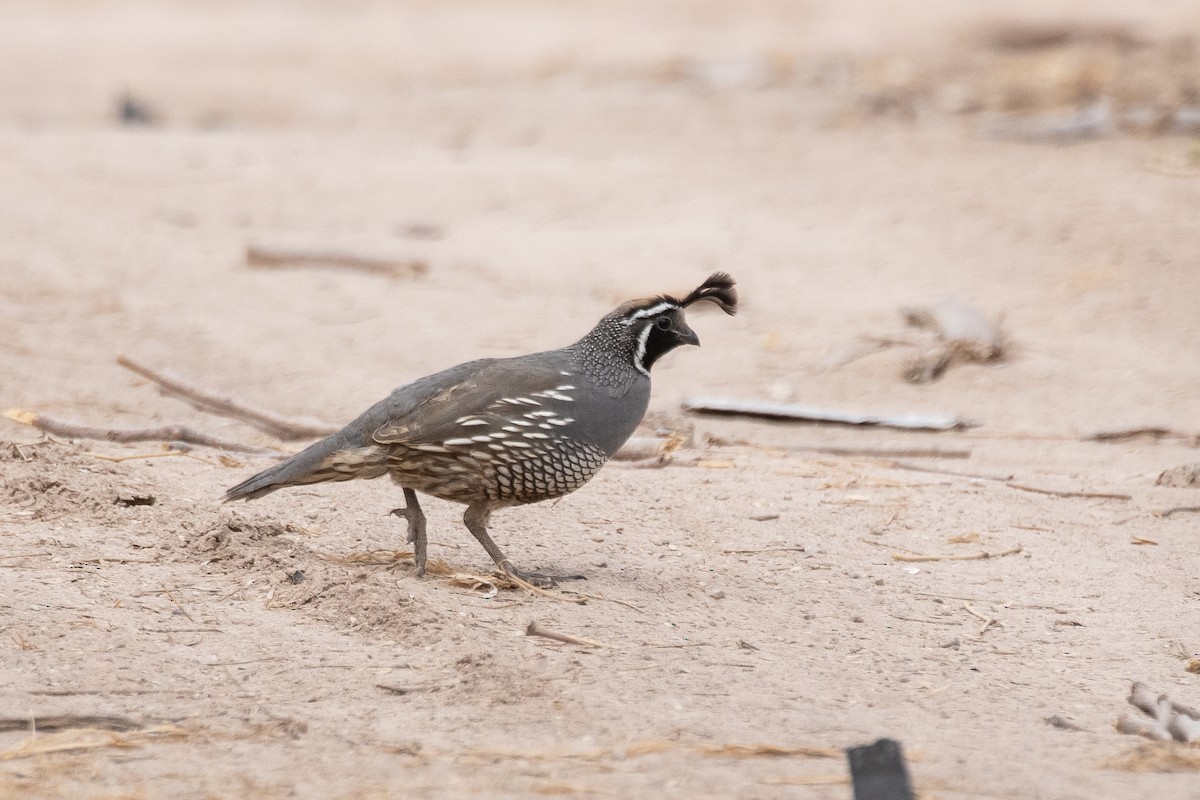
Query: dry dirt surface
761, 602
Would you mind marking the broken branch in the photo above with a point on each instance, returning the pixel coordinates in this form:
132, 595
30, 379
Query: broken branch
264, 257
1056, 493
205, 400
919, 557
536, 630
166, 433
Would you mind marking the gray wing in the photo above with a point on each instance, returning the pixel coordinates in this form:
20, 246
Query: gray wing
352, 452
480, 400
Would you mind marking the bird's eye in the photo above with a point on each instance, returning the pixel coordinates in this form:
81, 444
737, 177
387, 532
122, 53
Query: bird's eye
663, 324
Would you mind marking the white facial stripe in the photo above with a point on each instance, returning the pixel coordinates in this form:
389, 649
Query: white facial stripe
649, 312
639, 357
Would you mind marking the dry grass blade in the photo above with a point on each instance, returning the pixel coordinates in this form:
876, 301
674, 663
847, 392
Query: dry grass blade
80, 739
1157, 757
493, 583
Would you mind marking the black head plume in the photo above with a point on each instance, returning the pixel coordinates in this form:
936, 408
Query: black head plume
718, 288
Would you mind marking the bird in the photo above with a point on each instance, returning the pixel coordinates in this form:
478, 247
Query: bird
499, 432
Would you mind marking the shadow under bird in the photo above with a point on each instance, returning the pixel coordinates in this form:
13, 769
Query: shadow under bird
499, 432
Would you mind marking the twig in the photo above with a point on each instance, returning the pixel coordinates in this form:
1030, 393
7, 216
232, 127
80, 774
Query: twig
641, 448
166, 433
766, 550
1151, 431
62, 722
518, 581
875, 543
536, 630
978, 476
137, 456
789, 411
24, 555
971, 557
287, 429
1056, 493
1166, 512
601, 597
403, 690
988, 622
886, 452
264, 257
970, 610
182, 610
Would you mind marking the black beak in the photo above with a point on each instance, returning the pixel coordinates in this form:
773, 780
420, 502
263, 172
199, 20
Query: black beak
687, 335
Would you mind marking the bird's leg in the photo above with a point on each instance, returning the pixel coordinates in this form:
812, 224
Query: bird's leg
416, 528
476, 519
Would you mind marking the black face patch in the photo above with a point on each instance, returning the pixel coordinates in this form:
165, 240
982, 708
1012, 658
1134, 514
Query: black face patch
659, 335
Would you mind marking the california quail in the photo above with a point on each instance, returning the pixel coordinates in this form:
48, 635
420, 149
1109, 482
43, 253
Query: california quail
500, 432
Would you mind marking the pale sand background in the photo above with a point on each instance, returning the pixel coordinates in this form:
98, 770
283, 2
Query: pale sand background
572, 158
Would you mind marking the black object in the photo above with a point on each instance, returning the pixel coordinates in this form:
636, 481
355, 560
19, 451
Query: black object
878, 771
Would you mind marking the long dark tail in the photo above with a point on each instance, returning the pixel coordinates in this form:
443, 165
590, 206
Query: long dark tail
331, 459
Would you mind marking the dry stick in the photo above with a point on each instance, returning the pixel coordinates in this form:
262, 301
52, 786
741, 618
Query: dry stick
166, 433
889, 546
287, 429
765, 550
885, 452
638, 609
987, 621
536, 630
263, 257
934, 470
971, 557
66, 721
648, 448
137, 456
1125, 434
1056, 493
1177, 510
182, 610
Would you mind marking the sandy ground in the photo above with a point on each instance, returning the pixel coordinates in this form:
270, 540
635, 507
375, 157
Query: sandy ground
545, 166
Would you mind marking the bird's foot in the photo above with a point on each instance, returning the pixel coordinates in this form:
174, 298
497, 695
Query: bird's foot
406, 514
538, 579
416, 534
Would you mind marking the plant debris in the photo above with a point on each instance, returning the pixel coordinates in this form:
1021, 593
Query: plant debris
1163, 718
963, 335
1182, 477
267, 257
799, 413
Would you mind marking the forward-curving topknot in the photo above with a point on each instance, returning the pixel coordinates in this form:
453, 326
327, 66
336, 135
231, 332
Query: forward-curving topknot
718, 288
